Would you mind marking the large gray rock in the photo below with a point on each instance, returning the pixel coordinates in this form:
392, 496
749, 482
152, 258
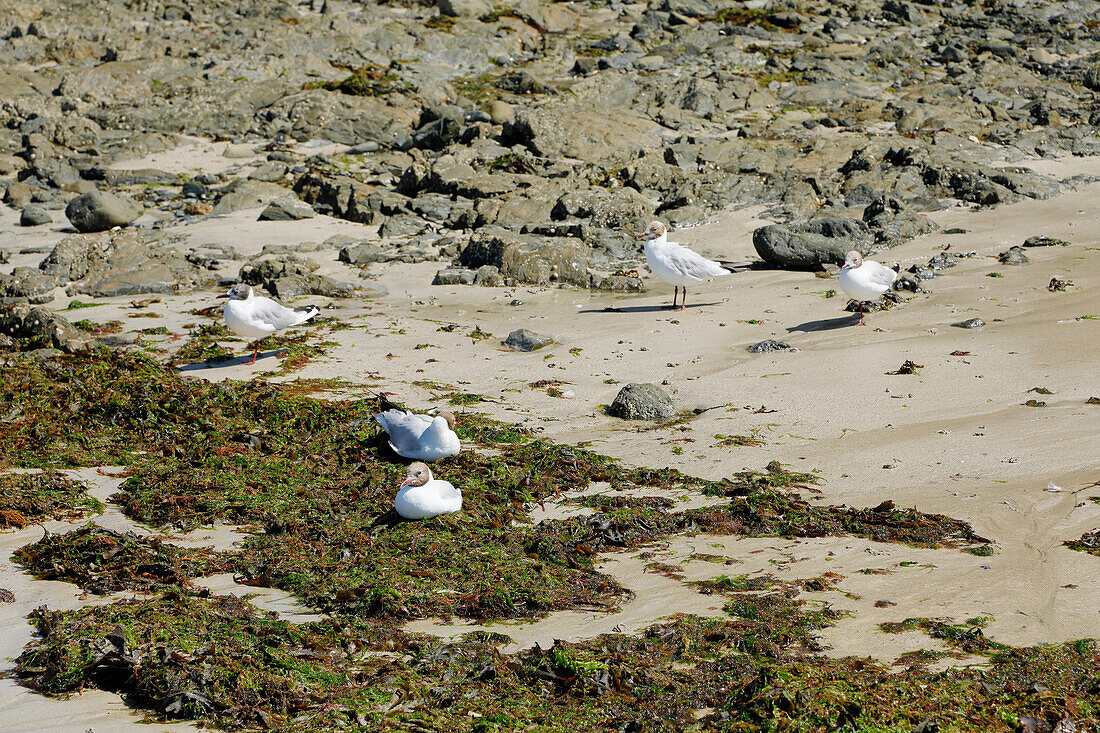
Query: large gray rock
125, 263
810, 245
528, 258
464, 8
97, 211
247, 194
34, 215
523, 339
41, 327
575, 130
615, 209
25, 285
287, 210
642, 402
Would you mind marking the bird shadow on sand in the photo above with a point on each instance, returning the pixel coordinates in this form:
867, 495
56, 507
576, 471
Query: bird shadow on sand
235, 361
664, 307
826, 324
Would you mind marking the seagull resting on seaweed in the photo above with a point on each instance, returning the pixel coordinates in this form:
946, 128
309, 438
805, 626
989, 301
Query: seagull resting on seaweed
256, 317
424, 497
420, 437
675, 264
862, 279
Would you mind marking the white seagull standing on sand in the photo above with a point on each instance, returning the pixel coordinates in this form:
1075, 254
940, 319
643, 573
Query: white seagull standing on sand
420, 437
256, 317
423, 497
675, 264
864, 279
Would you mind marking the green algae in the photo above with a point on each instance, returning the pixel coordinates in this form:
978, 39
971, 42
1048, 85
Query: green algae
102, 561
28, 498
1088, 542
314, 481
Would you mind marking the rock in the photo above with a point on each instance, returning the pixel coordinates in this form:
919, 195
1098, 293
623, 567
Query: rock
617, 209
288, 276
464, 8
98, 211
42, 327
287, 210
34, 215
969, 323
402, 225
812, 244
500, 111
524, 340
125, 263
642, 402
763, 347
528, 258
246, 194
1013, 256
455, 276
18, 194
270, 171
239, 151
1042, 241
574, 130
25, 285
1091, 77
893, 222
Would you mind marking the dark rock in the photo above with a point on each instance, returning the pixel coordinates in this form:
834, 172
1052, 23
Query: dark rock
402, 225
893, 222
942, 261
642, 402
1013, 256
34, 215
969, 323
1042, 241
42, 327
522, 82
287, 210
762, 347
98, 211
524, 340
809, 245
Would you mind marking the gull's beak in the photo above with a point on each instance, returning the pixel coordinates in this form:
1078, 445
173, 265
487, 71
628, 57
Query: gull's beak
404, 483
223, 295
641, 236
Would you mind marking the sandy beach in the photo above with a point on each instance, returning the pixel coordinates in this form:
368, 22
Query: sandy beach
955, 438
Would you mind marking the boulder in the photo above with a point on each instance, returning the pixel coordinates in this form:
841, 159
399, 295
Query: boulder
97, 211
34, 215
528, 258
642, 402
524, 340
42, 328
287, 210
810, 245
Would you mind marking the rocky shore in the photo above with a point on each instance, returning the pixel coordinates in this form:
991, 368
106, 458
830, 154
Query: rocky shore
885, 528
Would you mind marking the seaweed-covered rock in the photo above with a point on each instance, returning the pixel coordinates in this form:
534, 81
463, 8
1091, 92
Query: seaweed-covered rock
42, 327
638, 401
767, 345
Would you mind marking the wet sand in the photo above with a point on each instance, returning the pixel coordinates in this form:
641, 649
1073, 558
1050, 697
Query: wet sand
954, 439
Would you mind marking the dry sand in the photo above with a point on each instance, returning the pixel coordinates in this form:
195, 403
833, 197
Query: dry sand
955, 438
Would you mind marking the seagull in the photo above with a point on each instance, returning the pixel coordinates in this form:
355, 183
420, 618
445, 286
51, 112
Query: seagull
864, 279
675, 264
420, 437
423, 497
256, 317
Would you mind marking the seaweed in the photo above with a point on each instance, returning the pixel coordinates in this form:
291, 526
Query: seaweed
28, 498
101, 561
